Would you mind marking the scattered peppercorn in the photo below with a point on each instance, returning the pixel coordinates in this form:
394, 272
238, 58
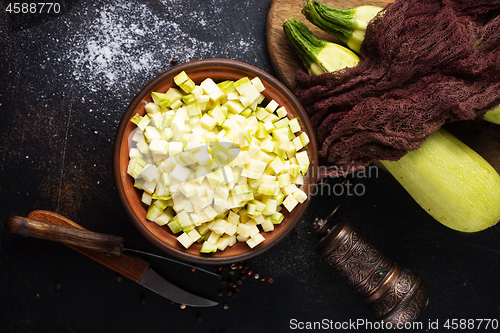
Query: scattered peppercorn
198, 318
174, 61
58, 285
226, 306
143, 300
239, 271
119, 278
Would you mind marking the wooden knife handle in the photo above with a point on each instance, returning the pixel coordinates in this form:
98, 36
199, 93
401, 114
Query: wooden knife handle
130, 267
67, 235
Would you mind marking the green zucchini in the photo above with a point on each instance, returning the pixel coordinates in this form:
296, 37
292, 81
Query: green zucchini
493, 116
453, 183
348, 25
318, 55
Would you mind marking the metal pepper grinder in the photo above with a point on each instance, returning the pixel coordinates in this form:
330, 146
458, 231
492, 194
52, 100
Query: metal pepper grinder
394, 294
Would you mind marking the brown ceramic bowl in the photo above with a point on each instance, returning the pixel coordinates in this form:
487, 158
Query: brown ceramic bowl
162, 237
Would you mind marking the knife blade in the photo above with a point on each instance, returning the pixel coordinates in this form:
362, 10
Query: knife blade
52, 226
159, 285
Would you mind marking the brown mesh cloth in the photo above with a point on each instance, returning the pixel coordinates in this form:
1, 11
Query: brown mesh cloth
425, 63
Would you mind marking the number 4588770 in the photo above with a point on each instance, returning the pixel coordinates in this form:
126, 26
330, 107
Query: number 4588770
33, 8
453, 324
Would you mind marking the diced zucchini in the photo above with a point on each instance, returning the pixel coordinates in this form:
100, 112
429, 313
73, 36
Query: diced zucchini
208, 247
185, 240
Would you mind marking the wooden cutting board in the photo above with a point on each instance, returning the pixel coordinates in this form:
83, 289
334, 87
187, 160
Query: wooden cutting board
481, 136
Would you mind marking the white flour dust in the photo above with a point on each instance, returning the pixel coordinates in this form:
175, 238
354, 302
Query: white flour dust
125, 44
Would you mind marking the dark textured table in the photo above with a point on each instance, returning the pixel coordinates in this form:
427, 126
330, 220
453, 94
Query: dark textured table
65, 80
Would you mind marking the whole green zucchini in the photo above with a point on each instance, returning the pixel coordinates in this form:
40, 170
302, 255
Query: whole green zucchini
318, 55
451, 182
348, 25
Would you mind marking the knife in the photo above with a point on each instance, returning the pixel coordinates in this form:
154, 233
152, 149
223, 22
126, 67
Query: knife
105, 249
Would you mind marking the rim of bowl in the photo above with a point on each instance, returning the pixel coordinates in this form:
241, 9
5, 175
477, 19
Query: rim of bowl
120, 172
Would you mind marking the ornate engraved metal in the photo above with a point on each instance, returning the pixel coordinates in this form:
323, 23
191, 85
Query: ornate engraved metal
394, 294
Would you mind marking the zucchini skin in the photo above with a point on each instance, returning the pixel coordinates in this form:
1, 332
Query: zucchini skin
317, 55
451, 182
348, 25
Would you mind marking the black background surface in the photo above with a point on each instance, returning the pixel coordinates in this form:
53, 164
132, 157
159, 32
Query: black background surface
62, 93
